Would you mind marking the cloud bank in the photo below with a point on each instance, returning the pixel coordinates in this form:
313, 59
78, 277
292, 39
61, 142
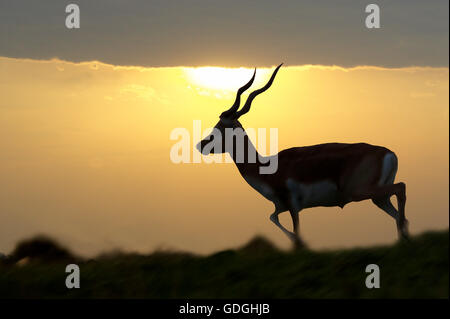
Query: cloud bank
228, 33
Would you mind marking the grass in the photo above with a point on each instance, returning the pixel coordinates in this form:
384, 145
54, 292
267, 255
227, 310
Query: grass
418, 269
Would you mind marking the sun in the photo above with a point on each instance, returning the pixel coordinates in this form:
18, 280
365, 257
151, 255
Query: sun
225, 79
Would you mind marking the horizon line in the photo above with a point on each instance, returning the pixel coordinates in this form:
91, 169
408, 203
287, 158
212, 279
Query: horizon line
285, 65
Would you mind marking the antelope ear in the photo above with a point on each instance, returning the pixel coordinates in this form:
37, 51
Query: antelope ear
223, 115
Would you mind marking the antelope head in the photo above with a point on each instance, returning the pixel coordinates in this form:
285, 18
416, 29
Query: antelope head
229, 120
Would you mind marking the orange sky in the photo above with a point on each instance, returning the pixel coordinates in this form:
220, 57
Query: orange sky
85, 152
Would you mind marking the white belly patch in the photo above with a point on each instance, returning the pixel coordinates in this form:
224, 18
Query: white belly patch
323, 193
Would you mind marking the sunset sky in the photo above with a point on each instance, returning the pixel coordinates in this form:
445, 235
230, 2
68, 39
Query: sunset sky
86, 115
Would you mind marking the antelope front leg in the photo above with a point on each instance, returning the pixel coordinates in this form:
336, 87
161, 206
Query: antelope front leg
274, 218
298, 242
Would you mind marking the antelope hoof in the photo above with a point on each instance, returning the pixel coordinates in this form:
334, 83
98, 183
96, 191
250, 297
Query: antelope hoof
299, 245
403, 233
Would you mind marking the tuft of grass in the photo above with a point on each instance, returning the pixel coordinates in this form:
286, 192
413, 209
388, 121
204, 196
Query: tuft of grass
417, 269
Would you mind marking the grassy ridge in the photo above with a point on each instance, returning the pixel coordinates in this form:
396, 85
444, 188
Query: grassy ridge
419, 269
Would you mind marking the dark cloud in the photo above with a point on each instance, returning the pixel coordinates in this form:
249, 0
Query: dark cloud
231, 33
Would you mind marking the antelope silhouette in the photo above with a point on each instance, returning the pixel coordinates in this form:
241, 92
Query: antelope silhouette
331, 174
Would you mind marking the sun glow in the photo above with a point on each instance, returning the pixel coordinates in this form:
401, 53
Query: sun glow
225, 79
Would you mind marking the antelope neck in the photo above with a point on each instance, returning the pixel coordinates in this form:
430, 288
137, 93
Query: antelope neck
248, 164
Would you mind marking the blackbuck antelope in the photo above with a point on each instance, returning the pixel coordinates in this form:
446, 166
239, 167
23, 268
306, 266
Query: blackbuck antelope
331, 174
